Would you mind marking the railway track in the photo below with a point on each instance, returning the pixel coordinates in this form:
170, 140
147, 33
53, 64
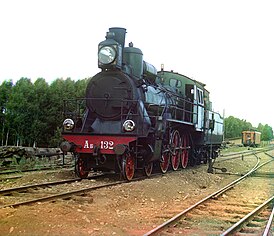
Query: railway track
49, 191
250, 224
19, 174
28, 194
231, 156
218, 211
9, 171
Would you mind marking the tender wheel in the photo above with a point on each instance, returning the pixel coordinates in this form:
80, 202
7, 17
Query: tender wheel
81, 167
148, 169
128, 166
164, 162
185, 152
175, 145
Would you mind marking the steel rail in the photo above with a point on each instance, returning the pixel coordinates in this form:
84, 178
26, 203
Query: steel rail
245, 153
69, 193
213, 195
10, 171
258, 150
237, 225
61, 195
11, 177
268, 154
20, 188
239, 153
178, 216
269, 223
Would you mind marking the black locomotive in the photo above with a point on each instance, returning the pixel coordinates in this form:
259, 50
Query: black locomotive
135, 118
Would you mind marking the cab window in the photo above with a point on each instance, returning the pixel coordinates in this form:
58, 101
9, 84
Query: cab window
200, 97
175, 83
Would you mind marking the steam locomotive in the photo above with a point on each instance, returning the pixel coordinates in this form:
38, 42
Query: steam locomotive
135, 118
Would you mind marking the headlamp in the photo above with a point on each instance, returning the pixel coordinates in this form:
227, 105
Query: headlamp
68, 124
106, 55
129, 125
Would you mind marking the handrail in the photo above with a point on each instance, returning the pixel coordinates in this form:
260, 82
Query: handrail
180, 109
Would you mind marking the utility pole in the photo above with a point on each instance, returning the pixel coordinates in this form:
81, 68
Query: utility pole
211, 127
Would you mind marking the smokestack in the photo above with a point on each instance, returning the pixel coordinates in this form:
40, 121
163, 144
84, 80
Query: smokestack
119, 35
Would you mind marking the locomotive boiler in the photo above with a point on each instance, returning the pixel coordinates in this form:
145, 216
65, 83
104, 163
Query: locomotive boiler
135, 118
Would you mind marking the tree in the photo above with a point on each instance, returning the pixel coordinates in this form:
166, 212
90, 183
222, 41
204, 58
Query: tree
5, 91
32, 113
235, 126
267, 132
60, 90
20, 111
41, 103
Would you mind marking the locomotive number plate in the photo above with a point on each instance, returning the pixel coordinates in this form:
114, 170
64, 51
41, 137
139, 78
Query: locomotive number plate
104, 144
107, 145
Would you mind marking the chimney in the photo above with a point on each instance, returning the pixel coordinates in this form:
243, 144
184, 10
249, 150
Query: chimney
119, 35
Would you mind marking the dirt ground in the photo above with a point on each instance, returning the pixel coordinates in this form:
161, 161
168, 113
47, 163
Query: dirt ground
129, 209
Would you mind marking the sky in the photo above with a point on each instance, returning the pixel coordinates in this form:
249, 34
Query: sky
228, 45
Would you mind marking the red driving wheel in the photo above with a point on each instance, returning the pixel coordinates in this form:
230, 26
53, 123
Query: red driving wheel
185, 152
164, 162
81, 167
175, 147
128, 166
